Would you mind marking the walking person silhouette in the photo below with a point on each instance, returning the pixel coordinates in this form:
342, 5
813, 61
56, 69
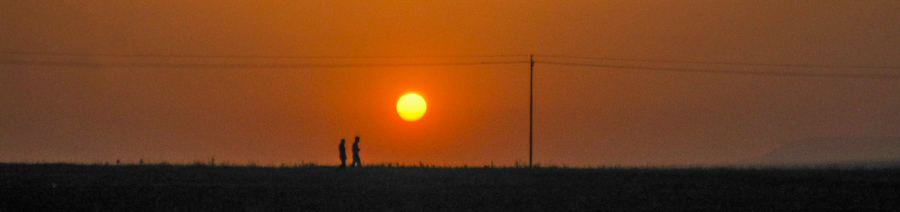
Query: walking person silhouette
343, 152
356, 161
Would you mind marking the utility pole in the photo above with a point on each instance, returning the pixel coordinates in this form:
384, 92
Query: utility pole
531, 112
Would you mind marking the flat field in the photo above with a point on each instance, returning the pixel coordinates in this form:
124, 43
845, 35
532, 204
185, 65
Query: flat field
66, 187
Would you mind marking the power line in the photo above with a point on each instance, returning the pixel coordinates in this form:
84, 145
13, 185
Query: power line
236, 65
247, 66
734, 72
64, 54
720, 63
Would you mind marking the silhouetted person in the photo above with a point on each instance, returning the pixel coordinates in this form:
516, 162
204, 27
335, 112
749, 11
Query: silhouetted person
356, 162
343, 152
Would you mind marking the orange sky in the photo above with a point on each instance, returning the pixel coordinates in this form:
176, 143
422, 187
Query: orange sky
477, 114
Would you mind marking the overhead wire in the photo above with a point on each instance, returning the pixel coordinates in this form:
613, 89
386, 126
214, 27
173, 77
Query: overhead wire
482, 60
254, 56
734, 72
251, 66
719, 63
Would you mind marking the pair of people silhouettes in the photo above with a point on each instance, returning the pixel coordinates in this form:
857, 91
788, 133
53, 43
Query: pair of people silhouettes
356, 162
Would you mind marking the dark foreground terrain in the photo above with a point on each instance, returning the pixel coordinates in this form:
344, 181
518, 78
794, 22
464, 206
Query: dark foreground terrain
60, 187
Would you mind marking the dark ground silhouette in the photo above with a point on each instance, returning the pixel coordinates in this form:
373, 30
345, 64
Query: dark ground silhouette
62, 187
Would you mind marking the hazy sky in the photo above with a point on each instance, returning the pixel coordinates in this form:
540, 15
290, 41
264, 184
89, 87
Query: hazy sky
103, 94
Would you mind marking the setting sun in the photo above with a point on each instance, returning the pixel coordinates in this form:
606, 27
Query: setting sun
411, 107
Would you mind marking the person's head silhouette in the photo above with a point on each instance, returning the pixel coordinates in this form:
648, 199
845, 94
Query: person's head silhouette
357, 139
342, 141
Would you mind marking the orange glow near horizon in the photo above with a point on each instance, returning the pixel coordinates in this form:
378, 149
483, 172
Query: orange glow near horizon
283, 81
411, 107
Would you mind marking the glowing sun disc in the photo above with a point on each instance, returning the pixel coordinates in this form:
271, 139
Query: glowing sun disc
411, 107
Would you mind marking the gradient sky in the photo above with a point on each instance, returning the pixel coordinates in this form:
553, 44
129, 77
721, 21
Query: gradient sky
477, 114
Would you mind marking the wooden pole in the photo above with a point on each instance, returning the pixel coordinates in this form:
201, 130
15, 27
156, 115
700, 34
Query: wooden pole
531, 113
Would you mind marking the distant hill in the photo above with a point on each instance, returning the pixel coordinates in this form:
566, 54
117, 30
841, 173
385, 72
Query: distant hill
840, 151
